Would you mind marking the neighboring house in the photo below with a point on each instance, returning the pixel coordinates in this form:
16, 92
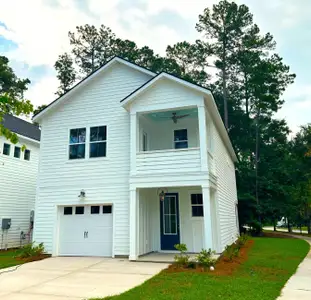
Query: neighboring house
115, 144
18, 173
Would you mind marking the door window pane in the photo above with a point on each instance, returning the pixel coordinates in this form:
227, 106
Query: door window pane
17, 152
94, 210
170, 215
6, 149
107, 209
68, 210
79, 210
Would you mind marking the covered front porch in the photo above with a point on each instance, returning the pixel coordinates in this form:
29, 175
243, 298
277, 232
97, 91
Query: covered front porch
163, 217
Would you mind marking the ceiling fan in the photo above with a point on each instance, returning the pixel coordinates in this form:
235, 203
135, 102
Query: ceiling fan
175, 117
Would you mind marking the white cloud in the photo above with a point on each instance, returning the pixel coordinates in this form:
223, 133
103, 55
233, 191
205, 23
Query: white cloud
41, 31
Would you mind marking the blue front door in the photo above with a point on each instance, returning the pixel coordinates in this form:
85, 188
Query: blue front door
169, 222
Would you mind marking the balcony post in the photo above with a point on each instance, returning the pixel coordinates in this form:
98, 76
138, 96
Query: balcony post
133, 141
203, 137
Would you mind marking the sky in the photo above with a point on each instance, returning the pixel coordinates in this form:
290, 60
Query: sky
33, 34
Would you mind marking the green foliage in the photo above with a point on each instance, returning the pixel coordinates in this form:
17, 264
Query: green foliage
30, 250
242, 239
255, 228
205, 258
231, 251
11, 97
182, 259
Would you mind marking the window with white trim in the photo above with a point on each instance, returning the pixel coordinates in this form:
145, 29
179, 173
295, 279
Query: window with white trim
17, 152
27, 154
77, 143
6, 149
180, 138
197, 205
98, 141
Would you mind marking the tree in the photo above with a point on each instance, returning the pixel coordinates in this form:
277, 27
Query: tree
91, 47
66, 73
39, 109
11, 97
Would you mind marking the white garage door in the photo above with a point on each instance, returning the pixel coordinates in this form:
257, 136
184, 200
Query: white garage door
85, 231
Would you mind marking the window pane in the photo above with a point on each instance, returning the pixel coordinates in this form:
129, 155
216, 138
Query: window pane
173, 205
180, 135
197, 211
181, 145
27, 155
166, 205
98, 134
167, 224
79, 210
107, 209
77, 136
81, 135
67, 210
6, 149
94, 210
98, 149
17, 152
76, 151
196, 199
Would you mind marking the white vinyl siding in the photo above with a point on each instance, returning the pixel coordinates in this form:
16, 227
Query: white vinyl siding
226, 192
18, 189
104, 179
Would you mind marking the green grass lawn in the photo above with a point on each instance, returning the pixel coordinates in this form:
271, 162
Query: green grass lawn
7, 259
271, 262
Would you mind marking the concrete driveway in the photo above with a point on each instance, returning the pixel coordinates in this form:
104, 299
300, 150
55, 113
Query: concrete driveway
74, 278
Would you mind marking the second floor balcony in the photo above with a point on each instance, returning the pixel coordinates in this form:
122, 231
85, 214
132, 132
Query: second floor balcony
170, 141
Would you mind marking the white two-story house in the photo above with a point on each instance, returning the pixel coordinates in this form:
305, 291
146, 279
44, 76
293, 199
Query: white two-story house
18, 180
134, 162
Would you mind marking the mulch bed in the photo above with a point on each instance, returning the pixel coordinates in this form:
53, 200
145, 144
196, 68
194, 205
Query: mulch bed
223, 267
34, 258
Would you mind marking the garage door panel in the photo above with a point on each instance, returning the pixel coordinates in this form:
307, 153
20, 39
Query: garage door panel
89, 234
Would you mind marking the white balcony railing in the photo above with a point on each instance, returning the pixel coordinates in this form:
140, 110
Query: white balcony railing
168, 161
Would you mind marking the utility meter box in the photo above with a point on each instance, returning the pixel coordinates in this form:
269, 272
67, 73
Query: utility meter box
6, 224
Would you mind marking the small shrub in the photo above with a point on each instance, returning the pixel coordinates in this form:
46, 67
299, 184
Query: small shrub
181, 259
30, 250
205, 258
231, 251
255, 228
242, 239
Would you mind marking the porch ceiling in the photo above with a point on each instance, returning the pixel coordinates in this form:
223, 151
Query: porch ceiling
166, 115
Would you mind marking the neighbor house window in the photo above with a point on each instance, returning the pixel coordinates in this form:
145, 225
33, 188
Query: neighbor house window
98, 141
17, 152
6, 149
77, 143
197, 205
27, 154
181, 138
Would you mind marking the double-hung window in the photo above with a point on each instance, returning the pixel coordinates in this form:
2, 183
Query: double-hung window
98, 141
180, 138
197, 205
6, 149
17, 152
27, 154
77, 143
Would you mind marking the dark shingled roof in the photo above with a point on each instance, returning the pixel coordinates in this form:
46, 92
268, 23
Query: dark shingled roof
21, 127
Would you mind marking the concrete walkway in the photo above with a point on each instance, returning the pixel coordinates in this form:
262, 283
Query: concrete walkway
74, 278
299, 285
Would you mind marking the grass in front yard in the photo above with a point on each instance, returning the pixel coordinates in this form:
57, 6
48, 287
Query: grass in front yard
271, 262
7, 259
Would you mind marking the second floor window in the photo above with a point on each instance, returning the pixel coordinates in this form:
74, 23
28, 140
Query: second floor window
98, 141
180, 138
17, 152
77, 143
6, 149
27, 154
